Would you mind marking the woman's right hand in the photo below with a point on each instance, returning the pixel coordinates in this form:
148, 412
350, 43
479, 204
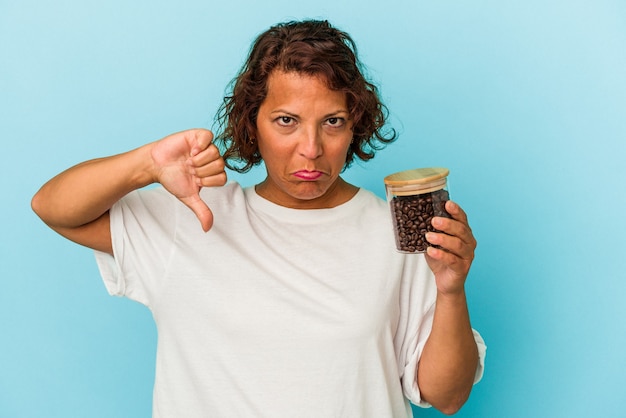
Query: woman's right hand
76, 202
185, 162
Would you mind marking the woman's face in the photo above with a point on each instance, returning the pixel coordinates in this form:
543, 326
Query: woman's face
303, 133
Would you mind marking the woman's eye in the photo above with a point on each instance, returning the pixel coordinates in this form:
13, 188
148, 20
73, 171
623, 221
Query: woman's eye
335, 122
285, 120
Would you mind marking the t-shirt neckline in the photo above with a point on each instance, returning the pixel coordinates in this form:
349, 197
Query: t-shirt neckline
259, 204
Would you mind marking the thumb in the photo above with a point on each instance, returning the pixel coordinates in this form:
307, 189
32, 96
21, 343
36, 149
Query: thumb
202, 211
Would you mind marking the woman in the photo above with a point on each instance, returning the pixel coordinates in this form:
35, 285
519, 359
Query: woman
290, 299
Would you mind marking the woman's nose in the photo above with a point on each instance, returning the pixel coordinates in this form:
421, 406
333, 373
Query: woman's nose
310, 145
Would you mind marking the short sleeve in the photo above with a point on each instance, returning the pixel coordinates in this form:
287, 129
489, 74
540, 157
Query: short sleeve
143, 225
110, 272
417, 308
409, 380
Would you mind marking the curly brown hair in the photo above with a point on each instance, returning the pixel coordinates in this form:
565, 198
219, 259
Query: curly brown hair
310, 47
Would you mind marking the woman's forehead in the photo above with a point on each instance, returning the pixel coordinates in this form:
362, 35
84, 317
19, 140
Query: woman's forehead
294, 89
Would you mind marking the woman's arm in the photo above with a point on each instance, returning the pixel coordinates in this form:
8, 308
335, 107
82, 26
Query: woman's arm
450, 357
76, 202
449, 360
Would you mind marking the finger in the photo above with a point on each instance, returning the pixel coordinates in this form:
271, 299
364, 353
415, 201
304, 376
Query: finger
454, 228
200, 139
439, 254
210, 169
205, 156
201, 210
456, 211
451, 260
215, 180
447, 260
451, 244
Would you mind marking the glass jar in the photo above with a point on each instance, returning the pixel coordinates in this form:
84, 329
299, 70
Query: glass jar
415, 197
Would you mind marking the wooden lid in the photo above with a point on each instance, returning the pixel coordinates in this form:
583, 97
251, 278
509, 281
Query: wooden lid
416, 176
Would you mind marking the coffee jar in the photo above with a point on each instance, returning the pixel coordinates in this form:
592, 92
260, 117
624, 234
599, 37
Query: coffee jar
415, 197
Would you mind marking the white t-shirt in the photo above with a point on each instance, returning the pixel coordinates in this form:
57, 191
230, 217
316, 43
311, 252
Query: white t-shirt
274, 312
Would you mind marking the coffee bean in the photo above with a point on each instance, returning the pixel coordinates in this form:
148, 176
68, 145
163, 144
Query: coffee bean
412, 217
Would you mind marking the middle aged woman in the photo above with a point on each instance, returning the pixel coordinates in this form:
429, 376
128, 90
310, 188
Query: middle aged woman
295, 302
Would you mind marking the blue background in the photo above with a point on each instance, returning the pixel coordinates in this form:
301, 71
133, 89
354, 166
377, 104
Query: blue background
524, 101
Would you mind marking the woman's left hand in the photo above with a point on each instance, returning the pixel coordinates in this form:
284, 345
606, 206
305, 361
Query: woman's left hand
451, 262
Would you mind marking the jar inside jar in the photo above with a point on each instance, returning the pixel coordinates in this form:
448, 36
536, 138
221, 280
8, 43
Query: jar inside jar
412, 218
415, 197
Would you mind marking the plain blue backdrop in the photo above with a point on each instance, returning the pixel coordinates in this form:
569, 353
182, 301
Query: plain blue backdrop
524, 101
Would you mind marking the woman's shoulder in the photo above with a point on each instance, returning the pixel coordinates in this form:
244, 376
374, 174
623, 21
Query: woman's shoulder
230, 190
158, 195
371, 199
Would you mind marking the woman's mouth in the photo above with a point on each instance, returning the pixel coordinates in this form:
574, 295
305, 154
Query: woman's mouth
308, 175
